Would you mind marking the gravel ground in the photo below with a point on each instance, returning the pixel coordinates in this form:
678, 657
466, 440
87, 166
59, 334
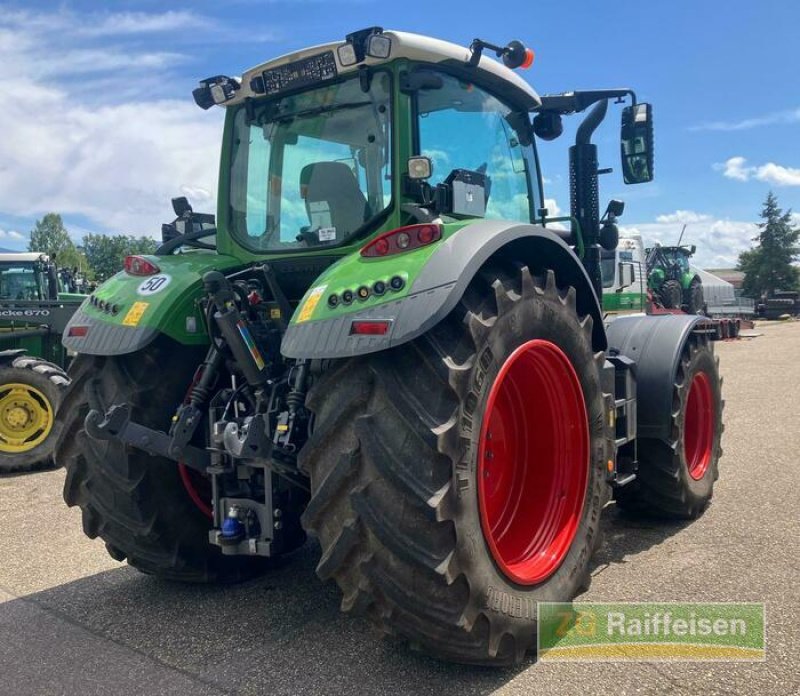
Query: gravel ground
73, 621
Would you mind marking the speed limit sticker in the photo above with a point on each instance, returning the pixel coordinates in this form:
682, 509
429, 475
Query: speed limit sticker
153, 284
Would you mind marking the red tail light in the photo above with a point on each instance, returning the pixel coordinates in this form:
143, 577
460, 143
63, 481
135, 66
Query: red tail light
369, 328
78, 331
140, 266
402, 239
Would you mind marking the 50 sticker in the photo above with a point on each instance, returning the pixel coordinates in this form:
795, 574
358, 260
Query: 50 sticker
154, 284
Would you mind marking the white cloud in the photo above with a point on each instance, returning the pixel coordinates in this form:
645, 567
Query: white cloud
719, 241
734, 168
775, 118
104, 24
683, 217
100, 147
776, 174
553, 209
10, 234
141, 23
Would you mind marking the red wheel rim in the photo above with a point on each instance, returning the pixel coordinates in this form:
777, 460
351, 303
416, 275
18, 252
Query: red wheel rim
533, 460
698, 427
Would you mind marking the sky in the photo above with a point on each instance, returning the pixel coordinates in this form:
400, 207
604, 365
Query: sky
98, 122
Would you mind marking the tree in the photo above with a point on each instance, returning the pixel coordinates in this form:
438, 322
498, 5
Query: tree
768, 266
106, 253
50, 237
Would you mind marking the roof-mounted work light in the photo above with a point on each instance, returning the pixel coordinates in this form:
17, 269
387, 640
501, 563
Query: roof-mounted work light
370, 42
215, 90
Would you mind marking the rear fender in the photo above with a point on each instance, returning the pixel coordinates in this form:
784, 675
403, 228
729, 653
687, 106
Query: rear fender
7, 356
128, 312
655, 344
434, 291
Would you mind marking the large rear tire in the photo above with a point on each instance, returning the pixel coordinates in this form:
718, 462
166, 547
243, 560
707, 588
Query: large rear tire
670, 294
459, 479
676, 476
138, 504
31, 390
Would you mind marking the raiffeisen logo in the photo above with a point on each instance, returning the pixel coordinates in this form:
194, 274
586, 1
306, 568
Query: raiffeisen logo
649, 631
663, 624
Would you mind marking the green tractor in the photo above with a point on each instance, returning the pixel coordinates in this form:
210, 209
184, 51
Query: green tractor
36, 302
671, 281
387, 347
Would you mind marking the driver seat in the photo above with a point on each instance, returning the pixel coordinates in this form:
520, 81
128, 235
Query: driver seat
333, 198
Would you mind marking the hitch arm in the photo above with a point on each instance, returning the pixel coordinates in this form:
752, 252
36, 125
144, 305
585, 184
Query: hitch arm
115, 424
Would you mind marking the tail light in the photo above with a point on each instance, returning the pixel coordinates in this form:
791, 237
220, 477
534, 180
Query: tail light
369, 328
402, 239
140, 266
77, 331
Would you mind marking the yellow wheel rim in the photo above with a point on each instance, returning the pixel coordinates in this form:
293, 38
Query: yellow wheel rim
26, 417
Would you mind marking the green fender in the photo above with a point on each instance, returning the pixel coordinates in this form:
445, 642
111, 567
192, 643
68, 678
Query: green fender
434, 279
128, 312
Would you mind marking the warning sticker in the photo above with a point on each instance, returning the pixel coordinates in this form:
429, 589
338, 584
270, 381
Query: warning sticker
327, 234
311, 303
251, 345
134, 315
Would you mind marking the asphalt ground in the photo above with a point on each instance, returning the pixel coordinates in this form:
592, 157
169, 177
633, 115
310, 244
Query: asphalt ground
73, 621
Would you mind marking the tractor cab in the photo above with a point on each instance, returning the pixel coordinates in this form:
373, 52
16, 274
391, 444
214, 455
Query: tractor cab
27, 277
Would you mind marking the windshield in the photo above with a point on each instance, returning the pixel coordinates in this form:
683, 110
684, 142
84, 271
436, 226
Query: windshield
462, 126
18, 281
310, 170
608, 268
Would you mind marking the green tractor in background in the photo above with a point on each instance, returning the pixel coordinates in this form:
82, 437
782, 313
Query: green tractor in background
386, 344
36, 302
671, 281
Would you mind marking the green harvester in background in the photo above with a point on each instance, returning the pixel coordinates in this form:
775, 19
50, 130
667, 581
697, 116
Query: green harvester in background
671, 280
36, 302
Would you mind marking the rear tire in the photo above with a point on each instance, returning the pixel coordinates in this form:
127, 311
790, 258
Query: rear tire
676, 476
28, 425
670, 294
394, 466
695, 303
135, 502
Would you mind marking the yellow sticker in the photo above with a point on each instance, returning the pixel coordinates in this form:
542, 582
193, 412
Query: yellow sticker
134, 315
274, 313
311, 303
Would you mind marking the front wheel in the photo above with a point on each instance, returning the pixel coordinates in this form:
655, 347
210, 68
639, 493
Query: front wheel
459, 479
694, 298
676, 476
670, 294
31, 390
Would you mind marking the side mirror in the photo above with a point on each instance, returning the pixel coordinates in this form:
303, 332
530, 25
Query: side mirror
637, 143
548, 125
627, 276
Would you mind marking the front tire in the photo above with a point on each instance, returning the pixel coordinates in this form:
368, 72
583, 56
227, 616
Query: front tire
694, 300
676, 476
31, 390
137, 503
670, 294
410, 529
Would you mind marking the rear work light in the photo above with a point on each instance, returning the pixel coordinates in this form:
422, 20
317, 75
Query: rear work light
402, 239
369, 328
140, 266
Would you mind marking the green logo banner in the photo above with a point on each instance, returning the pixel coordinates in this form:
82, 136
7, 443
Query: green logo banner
582, 631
